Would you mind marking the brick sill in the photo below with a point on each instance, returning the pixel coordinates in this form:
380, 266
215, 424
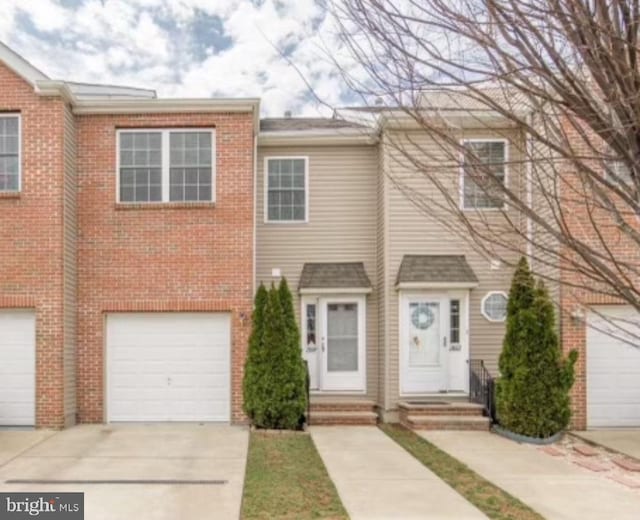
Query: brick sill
9, 194
164, 205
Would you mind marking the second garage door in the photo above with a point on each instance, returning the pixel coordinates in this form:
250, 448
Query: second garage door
613, 367
17, 367
168, 367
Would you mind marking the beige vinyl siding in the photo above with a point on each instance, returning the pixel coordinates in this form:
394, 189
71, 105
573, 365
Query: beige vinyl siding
382, 224
414, 231
341, 228
70, 232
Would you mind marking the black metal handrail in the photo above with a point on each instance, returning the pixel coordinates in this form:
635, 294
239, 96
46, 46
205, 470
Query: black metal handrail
308, 389
482, 387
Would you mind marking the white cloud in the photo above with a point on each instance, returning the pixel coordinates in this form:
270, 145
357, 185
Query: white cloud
147, 43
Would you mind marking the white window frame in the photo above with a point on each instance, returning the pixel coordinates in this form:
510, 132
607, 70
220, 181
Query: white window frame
265, 179
7, 115
485, 298
166, 163
463, 142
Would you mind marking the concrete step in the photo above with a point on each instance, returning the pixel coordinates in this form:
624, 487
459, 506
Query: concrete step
342, 405
453, 408
447, 422
343, 418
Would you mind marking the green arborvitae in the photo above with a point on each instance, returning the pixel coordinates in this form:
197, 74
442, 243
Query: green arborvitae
294, 350
533, 390
521, 297
280, 398
254, 366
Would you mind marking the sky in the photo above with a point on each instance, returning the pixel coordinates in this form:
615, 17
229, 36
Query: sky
187, 48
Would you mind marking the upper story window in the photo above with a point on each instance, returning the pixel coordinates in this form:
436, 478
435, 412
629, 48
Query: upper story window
9, 152
286, 189
484, 164
166, 165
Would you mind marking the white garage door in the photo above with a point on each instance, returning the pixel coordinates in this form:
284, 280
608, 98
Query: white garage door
17, 368
168, 367
613, 367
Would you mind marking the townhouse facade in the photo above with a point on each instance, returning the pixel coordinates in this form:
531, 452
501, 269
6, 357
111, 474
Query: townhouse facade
136, 229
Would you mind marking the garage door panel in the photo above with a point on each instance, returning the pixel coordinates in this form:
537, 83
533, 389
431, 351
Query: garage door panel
169, 366
613, 367
17, 367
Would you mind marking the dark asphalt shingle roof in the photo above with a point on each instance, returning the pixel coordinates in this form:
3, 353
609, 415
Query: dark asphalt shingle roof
435, 268
280, 124
334, 276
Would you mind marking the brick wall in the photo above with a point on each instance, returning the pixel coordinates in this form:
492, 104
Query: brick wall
579, 292
31, 238
159, 257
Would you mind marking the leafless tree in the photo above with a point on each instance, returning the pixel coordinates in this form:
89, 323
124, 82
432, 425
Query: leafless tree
559, 78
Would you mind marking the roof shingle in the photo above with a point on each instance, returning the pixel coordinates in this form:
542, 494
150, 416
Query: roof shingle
282, 124
334, 276
435, 268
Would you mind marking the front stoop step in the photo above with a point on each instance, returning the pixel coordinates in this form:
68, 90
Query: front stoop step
342, 411
429, 415
447, 422
355, 418
453, 408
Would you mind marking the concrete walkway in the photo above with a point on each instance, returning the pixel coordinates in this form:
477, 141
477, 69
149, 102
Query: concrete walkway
172, 465
555, 488
625, 441
377, 479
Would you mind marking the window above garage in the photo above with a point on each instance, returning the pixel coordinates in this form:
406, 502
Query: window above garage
166, 165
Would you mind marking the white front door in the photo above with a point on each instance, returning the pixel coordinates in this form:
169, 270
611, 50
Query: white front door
334, 343
433, 343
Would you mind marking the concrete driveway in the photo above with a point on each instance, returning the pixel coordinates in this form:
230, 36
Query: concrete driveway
151, 472
554, 487
625, 441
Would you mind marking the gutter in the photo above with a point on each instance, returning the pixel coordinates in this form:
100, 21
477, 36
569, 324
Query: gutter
343, 136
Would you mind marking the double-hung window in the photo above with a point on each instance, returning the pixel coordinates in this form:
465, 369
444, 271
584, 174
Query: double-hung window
484, 165
9, 152
166, 165
286, 189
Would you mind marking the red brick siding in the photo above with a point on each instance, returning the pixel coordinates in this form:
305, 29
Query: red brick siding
31, 237
571, 299
161, 258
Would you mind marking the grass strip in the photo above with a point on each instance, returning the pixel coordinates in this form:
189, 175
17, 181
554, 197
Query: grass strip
488, 498
286, 479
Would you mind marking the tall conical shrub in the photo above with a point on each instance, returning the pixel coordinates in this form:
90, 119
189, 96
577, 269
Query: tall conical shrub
278, 397
535, 379
254, 367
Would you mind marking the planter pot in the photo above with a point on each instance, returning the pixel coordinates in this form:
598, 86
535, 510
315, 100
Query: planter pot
525, 438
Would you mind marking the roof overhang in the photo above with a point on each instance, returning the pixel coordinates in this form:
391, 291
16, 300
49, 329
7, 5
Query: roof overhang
320, 137
435, 272
167, 106
20, 66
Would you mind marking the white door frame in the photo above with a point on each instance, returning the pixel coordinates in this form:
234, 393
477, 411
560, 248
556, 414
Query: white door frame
328, 382
455, 361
